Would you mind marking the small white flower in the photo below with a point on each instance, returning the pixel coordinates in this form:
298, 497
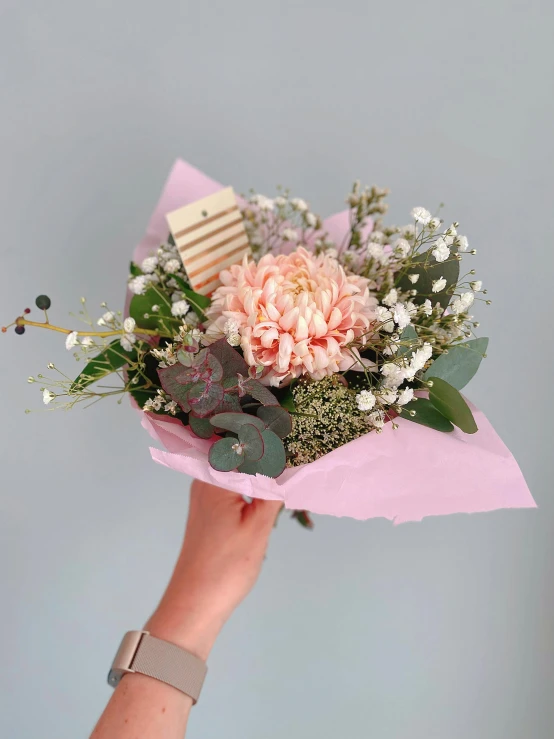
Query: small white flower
280, 201
47, 396
387, 395
72, 340
391, 346
172, 265
441, 252
419, 359
438, 285
421, 215
433, 224
377, 419
461, 304
157, 403
401, 248
377, 252
408, 231
108, 317
87, 341
138, 285
401, 316
365, 400
233, 339
264, 203
127, 341
413, 278
451, 231
171, 407
149, 264
476, 285
299, 204
148, 406
393, 374
289, 234
155, 308
129, 325
384, 316
405, 396
427, 307
378, 236
391, 297
462, 242
311, 220
179, 308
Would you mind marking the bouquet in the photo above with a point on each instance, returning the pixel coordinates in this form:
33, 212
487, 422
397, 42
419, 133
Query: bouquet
317, 362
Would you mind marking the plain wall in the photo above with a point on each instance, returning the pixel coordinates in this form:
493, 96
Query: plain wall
441, 629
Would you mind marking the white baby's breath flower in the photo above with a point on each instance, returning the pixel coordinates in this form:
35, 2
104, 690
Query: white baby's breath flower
392, 346
72, 340
311, 220
280, 201
233, 339
421, 215
462, 242
433, 224
378, 236
401, 316
384, 316
377, 419
155, 308
149, 264
179, 308
290, 234
172, 265
138, 285
393, 374
365, 400
299, 205
108, 317
391, 297
87, 341
127, 341
461, 304
47, 396
476, 285
441, 252
129, 325
264, 203
413, 277
438, 285
427, 307
405, 396
408, 231
401, 248
387, 395
377, 252
418, 361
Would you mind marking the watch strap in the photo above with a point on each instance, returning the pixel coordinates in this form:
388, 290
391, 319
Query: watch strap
140, 652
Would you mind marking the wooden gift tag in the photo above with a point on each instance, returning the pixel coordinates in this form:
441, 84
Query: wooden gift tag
210, 236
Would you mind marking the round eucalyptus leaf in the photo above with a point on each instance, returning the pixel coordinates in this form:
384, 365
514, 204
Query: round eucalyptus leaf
253, 443
223, 457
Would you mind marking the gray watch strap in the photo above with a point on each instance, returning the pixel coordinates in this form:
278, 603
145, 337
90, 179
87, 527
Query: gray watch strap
148, 655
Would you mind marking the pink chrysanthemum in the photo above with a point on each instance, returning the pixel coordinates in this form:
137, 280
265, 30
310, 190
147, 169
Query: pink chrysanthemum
296, 314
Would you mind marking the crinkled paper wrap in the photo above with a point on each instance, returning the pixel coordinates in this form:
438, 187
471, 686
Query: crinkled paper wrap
401, 475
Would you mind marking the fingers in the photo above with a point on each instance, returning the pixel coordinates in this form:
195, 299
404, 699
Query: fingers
263, 512
212, 493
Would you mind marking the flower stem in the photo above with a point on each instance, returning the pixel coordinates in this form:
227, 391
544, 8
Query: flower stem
142, 331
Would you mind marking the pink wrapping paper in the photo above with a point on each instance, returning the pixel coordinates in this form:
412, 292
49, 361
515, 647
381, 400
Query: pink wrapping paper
401, 475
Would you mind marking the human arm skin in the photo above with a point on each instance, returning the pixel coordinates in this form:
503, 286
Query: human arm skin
220, 560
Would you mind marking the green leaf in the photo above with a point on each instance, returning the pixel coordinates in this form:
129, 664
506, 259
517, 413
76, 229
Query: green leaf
175, 390
429, 270
411, 341
232, 362
287, 401
448, 401
277, 419
426, 415
134, 269
162, 319
201, 427
235, 421
223, 457
260, 393
253, 442
460, 364
141, 395
204, 397
109, 360
198, 302
274, 461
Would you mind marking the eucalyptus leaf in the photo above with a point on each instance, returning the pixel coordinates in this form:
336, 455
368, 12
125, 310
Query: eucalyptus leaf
223, 457
448, 401
235, 421
426, 415
277, 419
429, 270
273, 463
233, 363
201, 426
204, 397
173, 388
260, 393
410, 341
460, 364
109, 360
253, 443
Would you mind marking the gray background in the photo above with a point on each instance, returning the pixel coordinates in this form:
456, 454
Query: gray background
441, 629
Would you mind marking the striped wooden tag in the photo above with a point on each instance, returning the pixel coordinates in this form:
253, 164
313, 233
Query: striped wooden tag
210, 236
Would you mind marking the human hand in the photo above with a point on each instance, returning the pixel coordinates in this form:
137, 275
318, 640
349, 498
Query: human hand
222, 553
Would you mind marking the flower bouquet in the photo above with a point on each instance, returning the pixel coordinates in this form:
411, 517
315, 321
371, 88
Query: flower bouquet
283, 356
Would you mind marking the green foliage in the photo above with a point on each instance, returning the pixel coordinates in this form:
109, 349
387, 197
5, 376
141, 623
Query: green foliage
162, 320
274, 459
410, 341
460, 364
109, 360
198, 302
430, 270
303, 518
448, 401
134, 269
426, 414
235, 421
277, 419
201, 426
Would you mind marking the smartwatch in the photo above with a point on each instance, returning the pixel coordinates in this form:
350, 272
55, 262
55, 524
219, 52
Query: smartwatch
140, 652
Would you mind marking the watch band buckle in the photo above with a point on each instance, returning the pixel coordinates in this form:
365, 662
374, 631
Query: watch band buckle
125, 655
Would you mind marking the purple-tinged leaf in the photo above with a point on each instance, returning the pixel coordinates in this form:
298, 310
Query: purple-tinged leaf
204, 398
231, 361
